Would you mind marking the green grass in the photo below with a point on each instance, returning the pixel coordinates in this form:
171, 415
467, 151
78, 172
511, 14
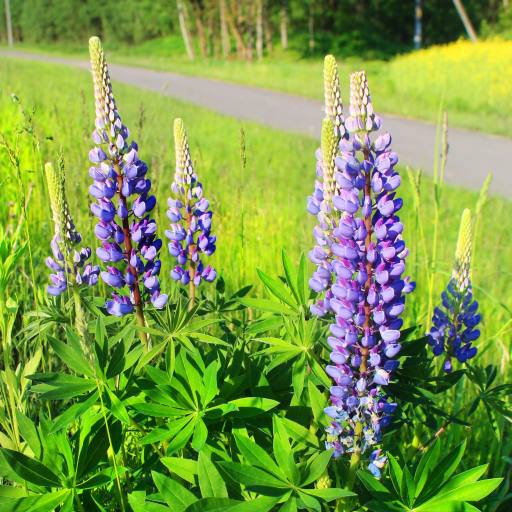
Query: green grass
470, 81
257, 210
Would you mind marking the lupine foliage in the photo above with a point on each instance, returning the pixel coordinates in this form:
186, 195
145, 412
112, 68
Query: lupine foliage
222, 402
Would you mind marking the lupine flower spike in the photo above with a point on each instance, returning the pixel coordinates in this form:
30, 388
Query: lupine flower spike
68, 260
129, 244
455, 320
190, 238
360, 255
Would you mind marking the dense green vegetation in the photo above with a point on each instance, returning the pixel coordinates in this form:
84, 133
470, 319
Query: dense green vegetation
367, 28
257, 180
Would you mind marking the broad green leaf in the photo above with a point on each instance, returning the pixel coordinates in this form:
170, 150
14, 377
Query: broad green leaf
473, 491
329, 494
466, 477
277, 288
250, 476
255, 455
444, 470
283, 451
290, 505
71, 357
30, 469
29, 432
209, 383
300, 434
59, 386
73, 412
310, 501
174, 494
408, 487
210, 481
181, 438
35, 503
316, 467
374, 486
117, 408
260, 504
427, 462
200, 435
396, 475
317, 401
252, 406
184, 468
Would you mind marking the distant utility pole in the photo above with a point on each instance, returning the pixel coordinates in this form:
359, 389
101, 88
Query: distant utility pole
465, 20
8, 22
418, 13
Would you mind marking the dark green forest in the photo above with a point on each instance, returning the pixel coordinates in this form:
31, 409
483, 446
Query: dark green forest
220, 27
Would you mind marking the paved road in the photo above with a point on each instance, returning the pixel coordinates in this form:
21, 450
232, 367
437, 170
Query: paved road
472, 155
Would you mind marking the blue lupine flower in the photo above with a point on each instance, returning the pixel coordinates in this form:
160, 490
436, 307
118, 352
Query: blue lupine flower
189, 234
455, 320
68, 260
123, 203
360, 255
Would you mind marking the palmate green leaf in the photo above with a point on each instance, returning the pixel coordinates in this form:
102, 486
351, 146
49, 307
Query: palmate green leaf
396, 475
173, 493
290, 505
209, 388
300, 434
443, 470
255, 455
298, 376
210, 480
466, 477
59, 386
98, 480
36, 503
200, 435
181, 438
73, 412
309, 501
158, 410
316, 467
30, 469
150, 355
253, 478
252, 406
184, 468
117, 407
278, 289
176, 427
386, 506
283, 453
376, 488
137, 501
427, 462
317, 402
473, 491
71, 356
408, 487
330, 494
29, 433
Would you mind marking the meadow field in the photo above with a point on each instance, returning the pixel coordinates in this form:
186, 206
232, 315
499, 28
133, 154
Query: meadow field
257, 180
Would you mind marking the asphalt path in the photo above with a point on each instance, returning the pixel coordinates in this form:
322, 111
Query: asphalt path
472, 155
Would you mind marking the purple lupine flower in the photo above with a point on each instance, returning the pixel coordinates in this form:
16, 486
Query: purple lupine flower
360, 256
68, 260
123, 203
189, 233
455, 321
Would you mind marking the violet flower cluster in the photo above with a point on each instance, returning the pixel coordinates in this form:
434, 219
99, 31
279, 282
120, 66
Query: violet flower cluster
129, 244
359, 254
454, 322
189, 234
68, 260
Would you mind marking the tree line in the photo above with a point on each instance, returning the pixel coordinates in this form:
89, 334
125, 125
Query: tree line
251, 29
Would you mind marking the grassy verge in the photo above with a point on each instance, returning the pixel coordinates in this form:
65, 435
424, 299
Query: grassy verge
258, 210
469, 80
